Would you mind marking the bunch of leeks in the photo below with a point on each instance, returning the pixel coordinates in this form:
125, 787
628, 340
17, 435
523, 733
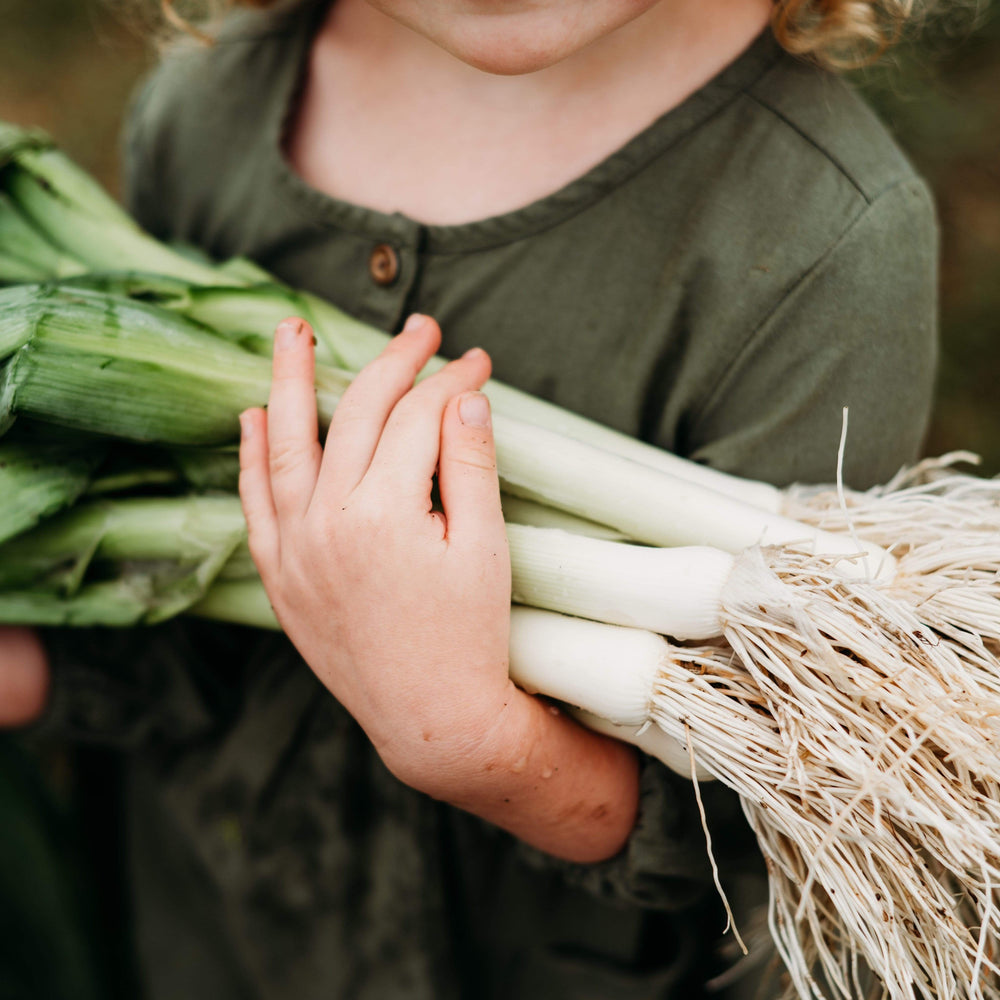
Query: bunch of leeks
850, 696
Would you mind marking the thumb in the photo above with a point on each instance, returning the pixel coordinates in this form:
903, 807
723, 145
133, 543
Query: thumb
467, 471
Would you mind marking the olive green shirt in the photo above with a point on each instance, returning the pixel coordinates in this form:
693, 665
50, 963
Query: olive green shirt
757, 259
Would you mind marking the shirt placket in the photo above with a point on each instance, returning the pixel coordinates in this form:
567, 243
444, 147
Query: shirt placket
390, 267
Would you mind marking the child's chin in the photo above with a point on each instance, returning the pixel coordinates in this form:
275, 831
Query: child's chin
509, 62
510, 52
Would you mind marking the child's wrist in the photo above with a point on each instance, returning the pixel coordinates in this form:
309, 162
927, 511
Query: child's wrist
555, 785
529, 768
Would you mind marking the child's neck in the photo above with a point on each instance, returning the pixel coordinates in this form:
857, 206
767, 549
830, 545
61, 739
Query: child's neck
391, 121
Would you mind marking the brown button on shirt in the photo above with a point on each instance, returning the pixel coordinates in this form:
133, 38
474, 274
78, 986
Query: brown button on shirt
383, 264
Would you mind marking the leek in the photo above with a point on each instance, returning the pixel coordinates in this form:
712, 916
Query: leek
74, 213
38, 478
680, 592
116, 366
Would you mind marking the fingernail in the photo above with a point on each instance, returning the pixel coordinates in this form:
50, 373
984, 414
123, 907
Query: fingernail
474, 410
287, 334
246, 426
415, 322
472, 352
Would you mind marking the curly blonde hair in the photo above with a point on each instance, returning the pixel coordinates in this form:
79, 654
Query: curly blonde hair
843, 34
838, 34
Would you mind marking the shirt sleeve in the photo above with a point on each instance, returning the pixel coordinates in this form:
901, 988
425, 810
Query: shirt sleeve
664, 865
142, 183
857, 331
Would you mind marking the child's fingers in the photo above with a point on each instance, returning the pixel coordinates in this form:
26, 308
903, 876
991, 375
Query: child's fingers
255, 490
467, 474
361, 414
294, 451
407, 455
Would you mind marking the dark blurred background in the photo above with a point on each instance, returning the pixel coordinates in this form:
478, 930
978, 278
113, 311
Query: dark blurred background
69, 66
941, 96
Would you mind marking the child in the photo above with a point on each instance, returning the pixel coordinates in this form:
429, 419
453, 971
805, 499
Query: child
644, 210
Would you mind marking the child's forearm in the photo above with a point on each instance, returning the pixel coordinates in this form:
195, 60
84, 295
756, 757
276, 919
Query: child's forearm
544, 778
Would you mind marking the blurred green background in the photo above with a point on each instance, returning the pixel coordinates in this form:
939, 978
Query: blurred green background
69, 67
941, 97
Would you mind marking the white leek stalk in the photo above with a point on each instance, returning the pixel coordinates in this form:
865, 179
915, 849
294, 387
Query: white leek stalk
651, 740
654, 507
676, 592
607, 670
518, 510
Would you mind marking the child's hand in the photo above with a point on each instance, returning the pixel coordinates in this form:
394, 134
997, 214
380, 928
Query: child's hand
402, 612
24, 677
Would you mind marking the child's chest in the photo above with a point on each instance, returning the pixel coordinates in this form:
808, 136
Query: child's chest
392, 139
